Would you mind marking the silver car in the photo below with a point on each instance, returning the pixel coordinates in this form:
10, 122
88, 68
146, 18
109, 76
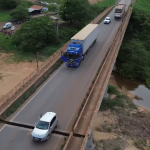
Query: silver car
45, 126
107, 20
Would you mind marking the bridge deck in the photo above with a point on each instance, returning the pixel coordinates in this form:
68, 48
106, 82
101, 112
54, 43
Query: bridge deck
86, 118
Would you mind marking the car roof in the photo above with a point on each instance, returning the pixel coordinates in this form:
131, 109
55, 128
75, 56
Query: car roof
8, 23
48, 116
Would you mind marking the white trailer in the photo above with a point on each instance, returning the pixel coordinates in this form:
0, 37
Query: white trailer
87, 36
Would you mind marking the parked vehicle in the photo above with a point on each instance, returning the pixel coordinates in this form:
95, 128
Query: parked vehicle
45, 126
53, 3
107, 20
13, 28
46, 3
55, 12
80, 44
120, 10
7, 25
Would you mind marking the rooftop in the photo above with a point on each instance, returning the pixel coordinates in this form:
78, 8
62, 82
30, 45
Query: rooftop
37, 7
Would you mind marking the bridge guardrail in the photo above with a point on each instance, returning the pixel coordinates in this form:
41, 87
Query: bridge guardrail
120, 33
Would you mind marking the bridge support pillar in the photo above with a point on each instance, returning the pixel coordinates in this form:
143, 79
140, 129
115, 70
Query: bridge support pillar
106, 95
115, 67
90, 145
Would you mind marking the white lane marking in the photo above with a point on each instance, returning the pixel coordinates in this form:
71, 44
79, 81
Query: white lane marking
34, 95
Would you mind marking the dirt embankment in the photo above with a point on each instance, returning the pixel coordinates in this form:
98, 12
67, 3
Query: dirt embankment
13, 73
121, 125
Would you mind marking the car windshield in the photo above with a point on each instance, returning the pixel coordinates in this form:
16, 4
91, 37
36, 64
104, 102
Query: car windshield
42, 125
107, 19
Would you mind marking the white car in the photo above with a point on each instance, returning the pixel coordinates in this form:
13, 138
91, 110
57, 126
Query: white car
53, 3
45, 126
13, 28
107, 20
7, 25
46, 3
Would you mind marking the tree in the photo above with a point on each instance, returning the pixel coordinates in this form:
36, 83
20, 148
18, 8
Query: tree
132, 60
52, 7
20, 13
9, 4
75, 10
35, 34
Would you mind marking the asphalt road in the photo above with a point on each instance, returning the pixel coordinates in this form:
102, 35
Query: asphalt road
61, 94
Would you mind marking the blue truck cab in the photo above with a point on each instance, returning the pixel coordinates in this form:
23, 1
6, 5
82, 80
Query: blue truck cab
73, 56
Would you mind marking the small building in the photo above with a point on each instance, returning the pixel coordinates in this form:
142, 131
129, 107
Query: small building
36, 9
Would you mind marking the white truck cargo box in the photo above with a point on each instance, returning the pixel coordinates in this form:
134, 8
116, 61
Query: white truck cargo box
86, 36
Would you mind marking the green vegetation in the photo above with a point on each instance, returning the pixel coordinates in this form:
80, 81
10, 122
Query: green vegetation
134, 56
140, 143
4, 16
120, 100
8, 4
5, 43
52, 7
20, 13
83, 12
40, 34
35, 34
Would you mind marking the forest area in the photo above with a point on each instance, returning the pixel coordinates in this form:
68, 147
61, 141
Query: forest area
133, 60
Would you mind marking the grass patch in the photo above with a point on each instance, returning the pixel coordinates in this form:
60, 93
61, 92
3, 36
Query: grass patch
140, 143
120, 101
4, 16
6, 43
26, 95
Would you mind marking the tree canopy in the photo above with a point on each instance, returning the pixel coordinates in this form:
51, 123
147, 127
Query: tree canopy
75, 10
35, 34
133, 60
8, 4
20, 13
52, 7
134, 56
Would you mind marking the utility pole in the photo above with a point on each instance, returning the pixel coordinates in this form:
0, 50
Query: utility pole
58, 21
37, 53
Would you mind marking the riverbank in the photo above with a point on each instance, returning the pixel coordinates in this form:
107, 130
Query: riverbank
120, 124
135, 90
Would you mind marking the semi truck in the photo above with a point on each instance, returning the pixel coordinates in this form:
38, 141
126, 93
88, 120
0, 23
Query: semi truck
79, 45
120, 11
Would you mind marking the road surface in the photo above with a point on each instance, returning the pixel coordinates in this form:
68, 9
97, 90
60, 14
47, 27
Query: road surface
61, 94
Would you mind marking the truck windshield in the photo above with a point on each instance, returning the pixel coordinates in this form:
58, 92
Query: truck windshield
71, 56
118, 11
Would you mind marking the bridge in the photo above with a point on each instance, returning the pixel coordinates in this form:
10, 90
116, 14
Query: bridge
74, 94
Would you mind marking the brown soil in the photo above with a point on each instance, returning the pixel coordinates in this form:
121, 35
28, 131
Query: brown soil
128, 126
12, 74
